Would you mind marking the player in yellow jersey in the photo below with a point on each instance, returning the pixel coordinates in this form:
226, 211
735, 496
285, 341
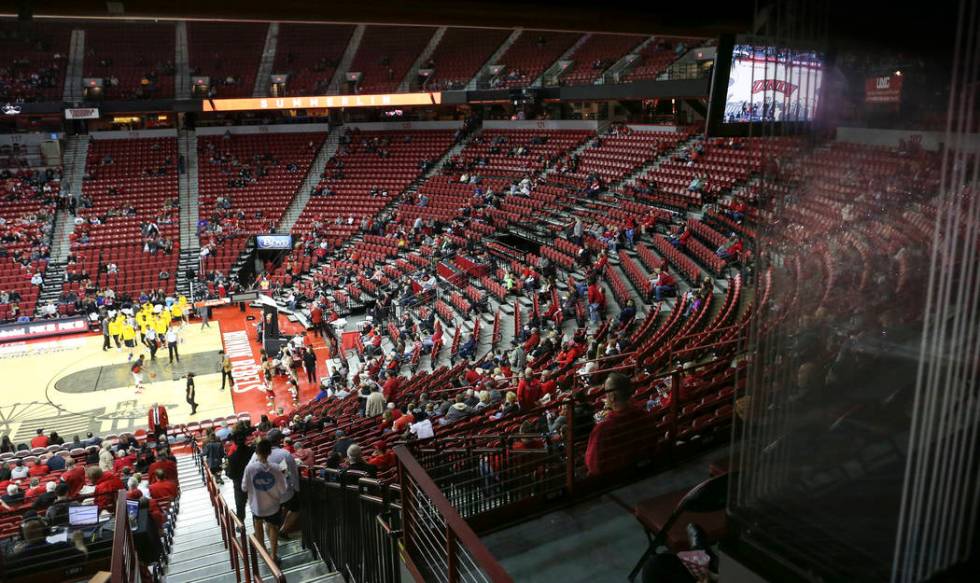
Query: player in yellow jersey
184, 308
141, 325
177, 313
129, 336
115, 330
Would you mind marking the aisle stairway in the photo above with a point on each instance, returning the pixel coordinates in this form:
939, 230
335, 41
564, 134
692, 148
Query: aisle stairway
199, 554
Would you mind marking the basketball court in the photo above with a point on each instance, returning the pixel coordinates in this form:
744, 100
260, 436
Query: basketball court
70, 385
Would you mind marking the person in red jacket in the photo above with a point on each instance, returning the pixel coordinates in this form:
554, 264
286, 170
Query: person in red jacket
123, 459
532, 341
382, 457
157, 419
600, 264
528, 390
390, 387
316, 318
548, 383
166, 464
471, 377
403, 422
39, 469
106, 485
624, 436
74, 477
662, 284
597, 302
730, 248
39, 440
162, 488
36, 489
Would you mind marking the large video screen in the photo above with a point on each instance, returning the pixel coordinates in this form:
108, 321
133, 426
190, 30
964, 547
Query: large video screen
274, 242
773, 84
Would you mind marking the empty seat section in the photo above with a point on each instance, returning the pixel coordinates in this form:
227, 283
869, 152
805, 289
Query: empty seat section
596, 55
515, 152
460, 55
227, 53
309, 54
529, 56
386, 54
654, 59
131, 183
136, 60
347, 189
617, 155
245, 182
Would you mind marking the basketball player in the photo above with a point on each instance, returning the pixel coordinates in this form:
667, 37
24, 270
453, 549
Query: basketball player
137, 370
129, 336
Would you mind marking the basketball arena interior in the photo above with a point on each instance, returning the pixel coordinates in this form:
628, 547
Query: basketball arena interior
489, 292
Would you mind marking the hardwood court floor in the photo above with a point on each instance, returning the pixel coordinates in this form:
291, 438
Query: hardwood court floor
70, 385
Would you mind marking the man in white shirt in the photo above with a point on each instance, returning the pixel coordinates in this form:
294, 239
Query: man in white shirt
19, 471
264, 484
287, 465
172, 340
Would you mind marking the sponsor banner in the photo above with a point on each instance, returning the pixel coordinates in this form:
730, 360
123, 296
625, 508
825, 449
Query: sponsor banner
29, 330
82, 113
322, 101
886, 89
212, 303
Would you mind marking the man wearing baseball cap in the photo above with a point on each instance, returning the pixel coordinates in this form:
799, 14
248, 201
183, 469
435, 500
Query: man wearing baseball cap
290, 499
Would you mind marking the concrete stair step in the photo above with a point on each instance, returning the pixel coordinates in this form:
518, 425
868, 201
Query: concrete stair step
199, 550
201, 569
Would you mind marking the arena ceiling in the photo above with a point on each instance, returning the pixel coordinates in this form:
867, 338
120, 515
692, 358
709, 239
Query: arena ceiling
877, 23
604, 15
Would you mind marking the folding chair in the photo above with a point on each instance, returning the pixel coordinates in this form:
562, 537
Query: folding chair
659, 515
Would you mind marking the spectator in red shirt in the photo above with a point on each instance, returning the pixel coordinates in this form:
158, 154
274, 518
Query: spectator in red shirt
532, 341
548, 383
168, 466
597, 301
624, 436
162, 488
124, 459
74, 477
390, 387
40, 468
730, 248
528, 390
303, 455
106, 485
382, 457
40, 440
403, 422
662, 284
472, 376
36, 489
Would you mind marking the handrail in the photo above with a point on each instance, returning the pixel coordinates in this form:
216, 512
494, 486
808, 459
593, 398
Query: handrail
258, 552
457, 530
125, 565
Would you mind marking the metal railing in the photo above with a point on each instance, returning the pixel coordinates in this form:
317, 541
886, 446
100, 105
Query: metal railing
496, 479
439, 545
353, 523
125, 560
